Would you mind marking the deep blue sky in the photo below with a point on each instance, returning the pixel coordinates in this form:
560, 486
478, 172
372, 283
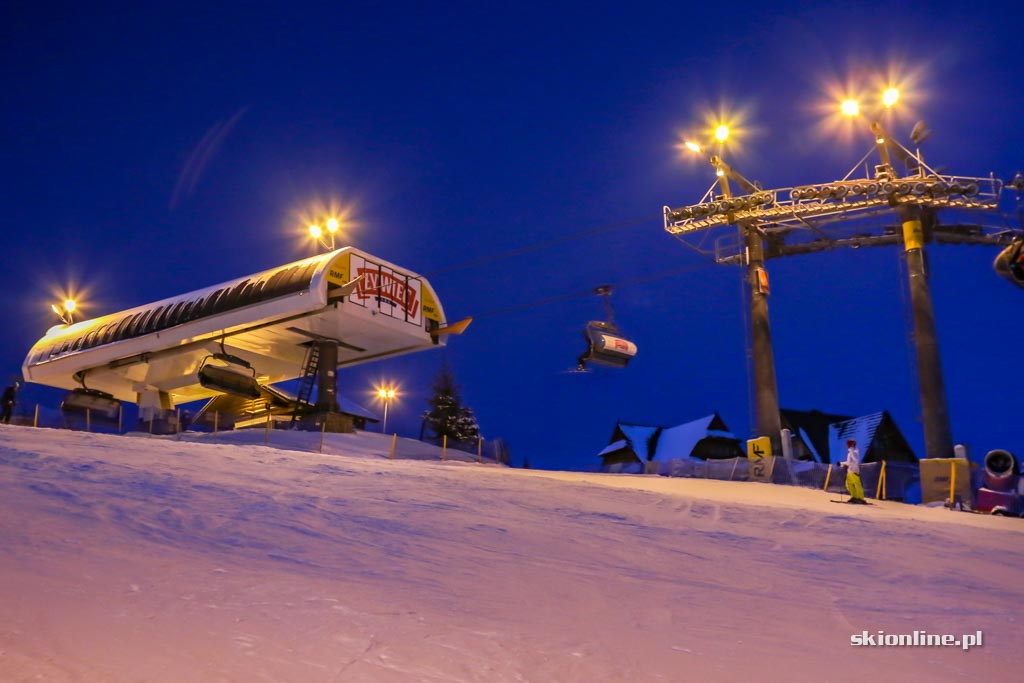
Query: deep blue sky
460, 131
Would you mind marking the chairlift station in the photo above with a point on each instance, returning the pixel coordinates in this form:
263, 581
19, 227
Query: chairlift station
304, 319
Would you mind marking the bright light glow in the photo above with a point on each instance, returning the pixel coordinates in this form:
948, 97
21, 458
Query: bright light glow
850, 107
722, 133
692, 146
332, 217
890, 96
69, 305
53, 307
386, 394
719, 173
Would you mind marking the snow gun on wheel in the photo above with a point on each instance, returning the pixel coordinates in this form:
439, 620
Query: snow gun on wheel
1001, 493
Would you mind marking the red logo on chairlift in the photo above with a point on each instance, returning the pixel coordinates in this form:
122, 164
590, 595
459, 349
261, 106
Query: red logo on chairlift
387, 288
621, 345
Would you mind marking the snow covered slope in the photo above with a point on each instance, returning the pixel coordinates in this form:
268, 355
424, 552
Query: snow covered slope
153, 559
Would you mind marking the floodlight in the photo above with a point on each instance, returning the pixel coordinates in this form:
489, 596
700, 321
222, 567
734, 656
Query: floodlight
332, 225
692, 146
315, 232
890, 96
850, 107
722, 133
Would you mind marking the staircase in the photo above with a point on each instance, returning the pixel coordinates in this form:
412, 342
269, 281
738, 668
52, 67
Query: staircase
312, 364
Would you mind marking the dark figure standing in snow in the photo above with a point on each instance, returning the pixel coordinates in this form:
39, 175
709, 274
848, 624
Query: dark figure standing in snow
8, 403
852, 465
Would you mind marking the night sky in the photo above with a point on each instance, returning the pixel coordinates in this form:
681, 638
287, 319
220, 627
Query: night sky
151, 150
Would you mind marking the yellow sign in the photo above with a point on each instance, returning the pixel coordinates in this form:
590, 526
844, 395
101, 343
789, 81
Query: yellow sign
945, 479
913, 235
338, 271
760, 447
430, 306
761, 463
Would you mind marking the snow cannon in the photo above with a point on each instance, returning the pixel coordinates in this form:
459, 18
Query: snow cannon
1001, 471
1000, 494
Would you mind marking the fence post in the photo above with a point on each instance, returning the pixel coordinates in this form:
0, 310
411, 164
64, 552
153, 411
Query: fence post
88, 419
735, 461
880, 490
120, 418
444, 448
323, 432
216, 418
479, 449
35, 420
394, 442
266, 432
952, 483
177, 421
828, 475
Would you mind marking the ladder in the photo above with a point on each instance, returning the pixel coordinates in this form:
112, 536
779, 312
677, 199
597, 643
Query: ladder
312, 364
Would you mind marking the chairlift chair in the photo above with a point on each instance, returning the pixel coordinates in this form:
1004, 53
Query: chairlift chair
237, 377
99, 404
606, 345
1010, 263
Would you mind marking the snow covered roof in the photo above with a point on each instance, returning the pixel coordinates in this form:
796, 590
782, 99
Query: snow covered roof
860, 429
613, 446
639, 437
812, 426
802, 433
651, 443
353, 408
679, 441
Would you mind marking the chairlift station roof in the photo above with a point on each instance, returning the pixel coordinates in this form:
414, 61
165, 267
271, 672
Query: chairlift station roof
369, 307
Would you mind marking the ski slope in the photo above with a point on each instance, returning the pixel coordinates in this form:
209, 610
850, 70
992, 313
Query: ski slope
155, 559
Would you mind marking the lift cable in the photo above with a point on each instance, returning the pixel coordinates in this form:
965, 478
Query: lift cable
543, 245
590, 292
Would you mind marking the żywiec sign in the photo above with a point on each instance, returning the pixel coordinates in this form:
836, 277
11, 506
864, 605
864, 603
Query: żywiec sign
397, 295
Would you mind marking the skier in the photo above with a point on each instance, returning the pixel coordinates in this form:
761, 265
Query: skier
852, 465
8, 403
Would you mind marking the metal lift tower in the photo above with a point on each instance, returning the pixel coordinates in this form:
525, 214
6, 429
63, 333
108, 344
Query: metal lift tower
851, 212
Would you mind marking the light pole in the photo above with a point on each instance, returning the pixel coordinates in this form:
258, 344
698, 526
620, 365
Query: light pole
765, 384
917, 223
386, 395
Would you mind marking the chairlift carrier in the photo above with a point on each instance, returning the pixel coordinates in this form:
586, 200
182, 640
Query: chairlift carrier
1010, 263
606, 345
237, 377
99, 404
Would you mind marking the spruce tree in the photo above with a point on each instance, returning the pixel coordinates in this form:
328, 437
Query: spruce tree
447, 415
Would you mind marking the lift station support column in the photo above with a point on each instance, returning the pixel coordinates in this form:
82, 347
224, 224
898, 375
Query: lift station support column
327, 377
763, 357
938, 435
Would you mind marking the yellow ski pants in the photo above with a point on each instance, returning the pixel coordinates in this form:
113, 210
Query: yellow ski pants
854, 486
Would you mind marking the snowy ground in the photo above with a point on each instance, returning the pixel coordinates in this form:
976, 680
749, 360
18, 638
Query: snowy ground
155, 559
